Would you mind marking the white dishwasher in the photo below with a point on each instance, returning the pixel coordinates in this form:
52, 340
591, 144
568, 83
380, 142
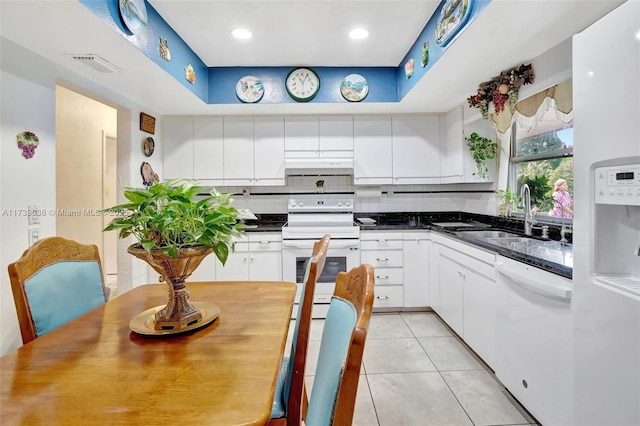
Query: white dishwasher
533, 339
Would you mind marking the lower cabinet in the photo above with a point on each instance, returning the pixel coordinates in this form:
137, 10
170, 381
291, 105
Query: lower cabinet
258, 257
415, 250
383, 251
467, 293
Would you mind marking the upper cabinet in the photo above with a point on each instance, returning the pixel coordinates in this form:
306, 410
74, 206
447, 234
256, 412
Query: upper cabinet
318, 137
416, 149
268, 152
208, 150
253, 151
177, 147
335, 136
372, 150
301, 136
452, 147
457, 164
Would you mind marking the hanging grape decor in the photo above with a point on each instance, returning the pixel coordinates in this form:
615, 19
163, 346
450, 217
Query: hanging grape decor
501, 90
27, 142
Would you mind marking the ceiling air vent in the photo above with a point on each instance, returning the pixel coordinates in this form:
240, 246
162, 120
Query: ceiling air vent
97, 63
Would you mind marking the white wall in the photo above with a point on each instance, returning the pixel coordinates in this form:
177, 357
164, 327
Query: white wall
27, 84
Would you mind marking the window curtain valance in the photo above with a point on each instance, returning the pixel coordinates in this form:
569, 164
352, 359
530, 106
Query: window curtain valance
528, 113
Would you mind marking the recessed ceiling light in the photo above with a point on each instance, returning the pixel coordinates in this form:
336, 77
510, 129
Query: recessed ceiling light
241, 33
359, 33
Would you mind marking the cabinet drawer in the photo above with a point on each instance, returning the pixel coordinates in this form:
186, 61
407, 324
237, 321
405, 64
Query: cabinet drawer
381, 241
484, 265
385, 276
265, 246
382, 258
388, 297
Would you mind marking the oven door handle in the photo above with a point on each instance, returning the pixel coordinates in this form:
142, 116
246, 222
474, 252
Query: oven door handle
333, 244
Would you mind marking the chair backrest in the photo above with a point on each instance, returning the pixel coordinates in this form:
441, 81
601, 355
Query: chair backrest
55, 281
294, 394
335, 384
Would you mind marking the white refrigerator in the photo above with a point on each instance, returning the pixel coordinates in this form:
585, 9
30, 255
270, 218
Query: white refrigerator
606, 272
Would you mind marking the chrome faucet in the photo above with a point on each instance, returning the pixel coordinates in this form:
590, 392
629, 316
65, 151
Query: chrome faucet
525, 202
564, 230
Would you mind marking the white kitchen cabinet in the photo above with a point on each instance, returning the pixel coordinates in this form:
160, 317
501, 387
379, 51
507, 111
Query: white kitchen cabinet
206, 271
372, 150
236, 267
208, 150
383, 251
257, 257
416, 149
268, 151
177, 147
335, 136
301, 136
415, 249
434, 272
452, 146
467, 294
451, 291
238, 151
473, 122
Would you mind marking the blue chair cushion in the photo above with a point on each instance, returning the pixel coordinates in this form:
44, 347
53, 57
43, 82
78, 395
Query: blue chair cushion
62, 291
279, 408
336, 339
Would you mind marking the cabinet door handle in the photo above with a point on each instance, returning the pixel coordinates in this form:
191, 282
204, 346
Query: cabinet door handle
383, 259
462, 274
382, 297
382, 277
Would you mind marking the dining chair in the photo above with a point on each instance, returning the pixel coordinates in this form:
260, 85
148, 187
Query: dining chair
335, 384
290, 401
53, 282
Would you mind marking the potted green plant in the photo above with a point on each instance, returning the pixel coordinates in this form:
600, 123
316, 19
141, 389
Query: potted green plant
482, 149
175, 231
508, 201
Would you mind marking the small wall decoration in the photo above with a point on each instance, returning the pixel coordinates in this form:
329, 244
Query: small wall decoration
148, 146
408, 68
149, 177
320, 186
134, 15
163, 47
354, 88
147, 123
27, 142
425, 54
453, 16
249, 89
190, 74
501, 89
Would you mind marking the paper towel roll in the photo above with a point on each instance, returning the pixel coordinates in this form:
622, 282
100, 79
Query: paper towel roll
368, 192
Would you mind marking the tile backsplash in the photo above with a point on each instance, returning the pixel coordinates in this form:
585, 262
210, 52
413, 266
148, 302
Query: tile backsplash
471, 198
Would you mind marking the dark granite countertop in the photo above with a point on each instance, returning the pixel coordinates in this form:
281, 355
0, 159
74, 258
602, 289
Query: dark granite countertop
554, 261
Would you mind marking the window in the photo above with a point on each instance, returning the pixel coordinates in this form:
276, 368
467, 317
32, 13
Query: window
539, 157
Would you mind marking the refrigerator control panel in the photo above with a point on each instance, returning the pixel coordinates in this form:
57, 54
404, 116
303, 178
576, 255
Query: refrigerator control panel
618, 185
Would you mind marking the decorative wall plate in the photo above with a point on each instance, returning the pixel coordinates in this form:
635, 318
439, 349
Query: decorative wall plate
134, 15
163, 48
408, 68
453, 16
354, 88
148, 146
190, 74
249, 89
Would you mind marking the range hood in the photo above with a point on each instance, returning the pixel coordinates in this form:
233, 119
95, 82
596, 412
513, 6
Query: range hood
318, 166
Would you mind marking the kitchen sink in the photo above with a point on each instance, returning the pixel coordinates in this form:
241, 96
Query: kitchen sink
488, 234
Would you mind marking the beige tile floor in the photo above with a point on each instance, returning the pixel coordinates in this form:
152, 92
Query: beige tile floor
417, 373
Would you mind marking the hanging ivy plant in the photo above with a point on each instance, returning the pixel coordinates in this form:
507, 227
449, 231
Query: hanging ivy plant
501, 89
482, 149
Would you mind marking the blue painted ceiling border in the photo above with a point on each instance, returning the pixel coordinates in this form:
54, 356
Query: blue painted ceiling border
216, 85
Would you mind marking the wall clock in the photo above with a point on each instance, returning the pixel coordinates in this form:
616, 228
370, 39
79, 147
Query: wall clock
302, 84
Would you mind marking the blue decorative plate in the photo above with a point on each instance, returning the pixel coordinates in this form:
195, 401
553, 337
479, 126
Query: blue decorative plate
134, 15
249, 89
354, 88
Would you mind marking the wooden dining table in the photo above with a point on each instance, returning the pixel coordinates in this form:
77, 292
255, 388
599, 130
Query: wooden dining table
95, 371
